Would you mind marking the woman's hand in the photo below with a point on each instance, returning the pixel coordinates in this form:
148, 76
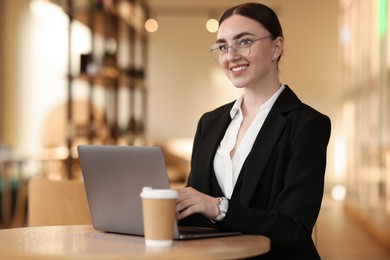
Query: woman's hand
191, 201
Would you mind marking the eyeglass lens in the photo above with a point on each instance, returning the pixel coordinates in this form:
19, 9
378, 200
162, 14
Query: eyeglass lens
219, 53
241, 47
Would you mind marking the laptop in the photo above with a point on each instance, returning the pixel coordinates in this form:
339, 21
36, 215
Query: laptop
114, 177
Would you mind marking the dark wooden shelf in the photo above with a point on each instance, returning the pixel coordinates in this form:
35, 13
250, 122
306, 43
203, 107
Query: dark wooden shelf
117, 25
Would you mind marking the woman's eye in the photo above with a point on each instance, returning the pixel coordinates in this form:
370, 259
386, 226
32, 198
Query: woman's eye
244, 42
222, 47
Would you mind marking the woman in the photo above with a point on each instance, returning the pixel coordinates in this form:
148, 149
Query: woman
258, 163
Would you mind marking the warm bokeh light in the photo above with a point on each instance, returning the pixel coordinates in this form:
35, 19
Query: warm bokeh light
42, 7
151, 25
212, 25
339, 192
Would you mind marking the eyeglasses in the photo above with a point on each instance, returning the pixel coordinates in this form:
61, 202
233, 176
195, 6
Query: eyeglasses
241, 47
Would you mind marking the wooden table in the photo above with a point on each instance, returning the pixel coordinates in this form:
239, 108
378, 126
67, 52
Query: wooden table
84, 242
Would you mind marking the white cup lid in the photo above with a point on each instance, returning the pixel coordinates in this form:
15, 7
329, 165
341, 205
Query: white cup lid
150, 193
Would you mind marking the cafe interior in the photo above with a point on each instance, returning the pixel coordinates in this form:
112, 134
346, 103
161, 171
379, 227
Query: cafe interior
138, 72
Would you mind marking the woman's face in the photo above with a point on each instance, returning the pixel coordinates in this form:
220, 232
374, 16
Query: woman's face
260, 64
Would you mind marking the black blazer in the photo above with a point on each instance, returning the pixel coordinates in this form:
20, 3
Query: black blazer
279, 191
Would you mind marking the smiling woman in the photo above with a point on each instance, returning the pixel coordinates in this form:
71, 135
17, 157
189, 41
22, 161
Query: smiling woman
258, 163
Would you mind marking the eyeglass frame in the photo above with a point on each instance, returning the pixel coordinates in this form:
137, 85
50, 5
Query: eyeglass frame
215, 47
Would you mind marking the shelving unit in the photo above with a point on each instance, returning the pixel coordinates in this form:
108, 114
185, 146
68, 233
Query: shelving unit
116, 62
365, 117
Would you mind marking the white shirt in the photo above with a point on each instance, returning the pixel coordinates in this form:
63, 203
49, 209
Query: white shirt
227, 169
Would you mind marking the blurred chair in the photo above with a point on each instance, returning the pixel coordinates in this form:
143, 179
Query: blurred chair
177, 153
12, 198
57, 202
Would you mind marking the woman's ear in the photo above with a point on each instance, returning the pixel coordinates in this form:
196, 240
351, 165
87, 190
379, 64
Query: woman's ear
278, 46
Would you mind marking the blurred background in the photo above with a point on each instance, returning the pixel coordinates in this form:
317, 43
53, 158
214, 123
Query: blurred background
133, 72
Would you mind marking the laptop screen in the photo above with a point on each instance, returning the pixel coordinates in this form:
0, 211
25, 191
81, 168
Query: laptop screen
114, 177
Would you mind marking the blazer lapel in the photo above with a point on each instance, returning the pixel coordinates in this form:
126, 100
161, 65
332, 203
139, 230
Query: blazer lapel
265, 143
259, 155
215, 127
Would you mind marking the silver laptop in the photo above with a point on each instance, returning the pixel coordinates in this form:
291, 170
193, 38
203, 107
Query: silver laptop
114, 177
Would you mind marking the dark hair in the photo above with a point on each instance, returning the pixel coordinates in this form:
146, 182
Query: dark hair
258, 12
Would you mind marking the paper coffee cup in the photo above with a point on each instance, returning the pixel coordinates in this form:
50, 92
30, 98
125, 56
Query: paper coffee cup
159, 209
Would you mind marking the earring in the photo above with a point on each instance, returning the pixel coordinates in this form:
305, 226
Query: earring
274, 57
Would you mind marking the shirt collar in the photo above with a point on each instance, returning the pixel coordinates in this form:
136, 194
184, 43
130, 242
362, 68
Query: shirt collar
236, 107
267, 105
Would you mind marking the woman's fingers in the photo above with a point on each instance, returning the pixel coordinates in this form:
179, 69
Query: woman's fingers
191, 201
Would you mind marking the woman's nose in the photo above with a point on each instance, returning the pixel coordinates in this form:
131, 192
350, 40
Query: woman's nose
232, 54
